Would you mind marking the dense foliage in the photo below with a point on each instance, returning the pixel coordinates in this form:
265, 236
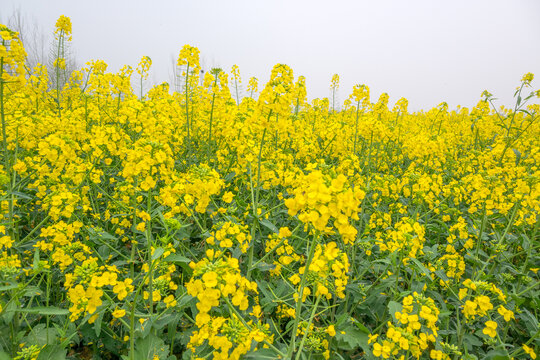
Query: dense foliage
204, 224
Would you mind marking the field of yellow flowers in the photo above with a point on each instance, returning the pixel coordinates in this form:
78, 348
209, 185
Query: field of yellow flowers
203, 225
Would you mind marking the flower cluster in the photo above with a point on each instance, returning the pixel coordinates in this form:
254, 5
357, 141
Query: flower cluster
406, 237
327, 273
217, 282
318, 198
285, 253
229, 234
303, 221
413, 331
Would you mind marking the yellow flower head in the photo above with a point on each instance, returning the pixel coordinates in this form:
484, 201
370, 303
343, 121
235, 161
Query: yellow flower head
118, 313
63, 24
189, 55
335, 82
527, 78
490, 328
529, 351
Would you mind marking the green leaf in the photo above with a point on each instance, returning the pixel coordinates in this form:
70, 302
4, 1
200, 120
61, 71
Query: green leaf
21, 195
100, 234
4, 356
157, 253
97, 323
52, 352
350, 338
394, 307
497, 354
362, 328
148, 347
261, 354
163, 321
43, 310
177, 258
184, 302
269, 225
40, 335
180, 260
263, 266
422, 268
32, 291
472, 340
441, 274
525, 111
518, 155
35, 264
229, 176
9, 287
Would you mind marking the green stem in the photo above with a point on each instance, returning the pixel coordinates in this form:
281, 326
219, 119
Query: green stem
212, 114
259, 171
356, 126
187, 108
232, 309
479, 242
310, 321
535, 285
57, 69
149, 249
2, 113
298, 309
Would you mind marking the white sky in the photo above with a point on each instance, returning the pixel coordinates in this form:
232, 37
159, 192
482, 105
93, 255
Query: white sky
427, 51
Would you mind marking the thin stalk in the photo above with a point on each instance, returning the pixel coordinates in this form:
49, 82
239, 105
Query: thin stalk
149, 249
259, 169
241, 318
2, 113
356, 126
531, 247
212, 115
236, 88
333, 100
255, 199
479, 242
141, 85
310, 321
298, 309
57, 69
187, 106
509, 128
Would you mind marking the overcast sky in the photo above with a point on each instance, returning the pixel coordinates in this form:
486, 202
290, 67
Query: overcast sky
427, 51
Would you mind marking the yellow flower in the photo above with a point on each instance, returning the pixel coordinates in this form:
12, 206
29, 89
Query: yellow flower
210, 279
382, 350
63, 24
122, 288
170, 301
484, 304
5, 35
527, 78
462, 293
529, 351
436, 354
141, 226
60, 63
228, 197
490, 328
372, 338
331, 330
118, 313
94, 299
507, 314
